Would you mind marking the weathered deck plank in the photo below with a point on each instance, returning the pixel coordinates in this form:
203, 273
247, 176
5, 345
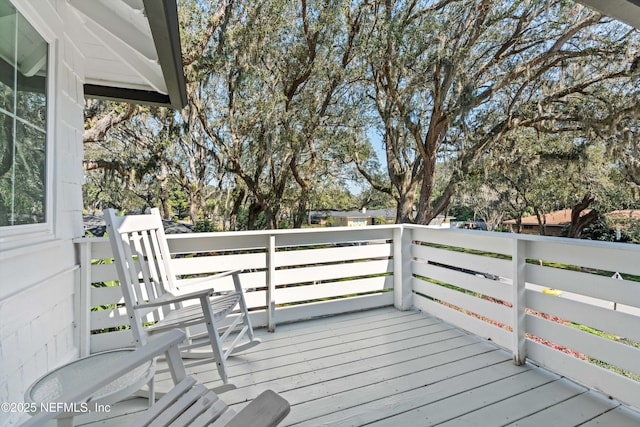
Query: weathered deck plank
390, 368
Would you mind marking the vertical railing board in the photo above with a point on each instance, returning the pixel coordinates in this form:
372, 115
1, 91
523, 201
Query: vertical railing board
84, 299
519, 259
271, 283
402, 274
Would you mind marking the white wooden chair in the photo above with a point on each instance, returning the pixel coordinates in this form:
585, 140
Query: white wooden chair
186, 404
156, 301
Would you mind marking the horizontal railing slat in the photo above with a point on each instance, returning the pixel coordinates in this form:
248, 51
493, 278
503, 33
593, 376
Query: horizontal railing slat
488, 287
594, 346
501, 337
468, 239
623, 388
497, 312
478, 263
248, 280
600, 318
332, 289
332, 271
215, 242
622, 258
106, 295
218, 263
332, 254
588, 284
109, 318
103, 273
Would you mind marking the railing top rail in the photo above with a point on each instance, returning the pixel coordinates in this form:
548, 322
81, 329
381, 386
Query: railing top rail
290, 231
365, 230
531, 238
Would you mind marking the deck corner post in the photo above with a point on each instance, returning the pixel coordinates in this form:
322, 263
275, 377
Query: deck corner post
271, 283
519, 260
84, 299
402, 274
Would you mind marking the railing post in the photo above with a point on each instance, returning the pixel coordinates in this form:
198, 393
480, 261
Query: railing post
84, 300
271, 283
402, 275
519, 260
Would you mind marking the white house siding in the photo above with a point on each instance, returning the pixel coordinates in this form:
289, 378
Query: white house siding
39, 274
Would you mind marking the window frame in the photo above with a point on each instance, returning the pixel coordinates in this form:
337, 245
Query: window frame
23, 232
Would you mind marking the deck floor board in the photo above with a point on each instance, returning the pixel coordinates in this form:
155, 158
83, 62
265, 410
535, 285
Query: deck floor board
390, 368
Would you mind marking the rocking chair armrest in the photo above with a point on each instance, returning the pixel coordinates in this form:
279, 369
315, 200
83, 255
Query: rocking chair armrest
221, 293
203, 281
268, 409
206, 293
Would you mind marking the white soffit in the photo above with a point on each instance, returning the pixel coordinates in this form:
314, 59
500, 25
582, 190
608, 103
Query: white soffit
117, 45
627, 11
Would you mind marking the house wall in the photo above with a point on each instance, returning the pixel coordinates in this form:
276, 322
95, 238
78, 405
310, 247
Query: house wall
39, 272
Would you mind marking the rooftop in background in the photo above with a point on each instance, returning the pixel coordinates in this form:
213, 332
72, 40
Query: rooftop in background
624, 214
556, 218
94, 224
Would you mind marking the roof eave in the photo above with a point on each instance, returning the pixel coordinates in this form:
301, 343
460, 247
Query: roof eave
163, 21
136, 96
627, 11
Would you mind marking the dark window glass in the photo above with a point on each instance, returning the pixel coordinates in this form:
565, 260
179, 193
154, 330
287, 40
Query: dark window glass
23, 120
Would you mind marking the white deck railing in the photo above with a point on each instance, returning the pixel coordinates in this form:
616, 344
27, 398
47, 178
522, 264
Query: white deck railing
590, 332
297, 274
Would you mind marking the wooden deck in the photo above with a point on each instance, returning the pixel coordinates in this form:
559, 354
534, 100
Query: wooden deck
390, 368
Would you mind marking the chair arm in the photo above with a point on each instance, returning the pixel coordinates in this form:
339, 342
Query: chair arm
205, 293
163, 343
266, 410
203, 281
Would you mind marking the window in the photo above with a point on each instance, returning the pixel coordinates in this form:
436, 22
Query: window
23, 120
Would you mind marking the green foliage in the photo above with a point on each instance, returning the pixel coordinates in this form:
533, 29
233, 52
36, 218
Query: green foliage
603, 229
204, 225
502, 109
379, 220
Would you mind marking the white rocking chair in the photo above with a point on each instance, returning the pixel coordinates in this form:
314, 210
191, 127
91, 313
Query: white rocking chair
152, 294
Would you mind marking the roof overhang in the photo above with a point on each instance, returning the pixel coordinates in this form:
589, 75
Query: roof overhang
131, 51
627, 11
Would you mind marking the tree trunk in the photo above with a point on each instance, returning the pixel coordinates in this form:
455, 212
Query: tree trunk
578, 222
233, 216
